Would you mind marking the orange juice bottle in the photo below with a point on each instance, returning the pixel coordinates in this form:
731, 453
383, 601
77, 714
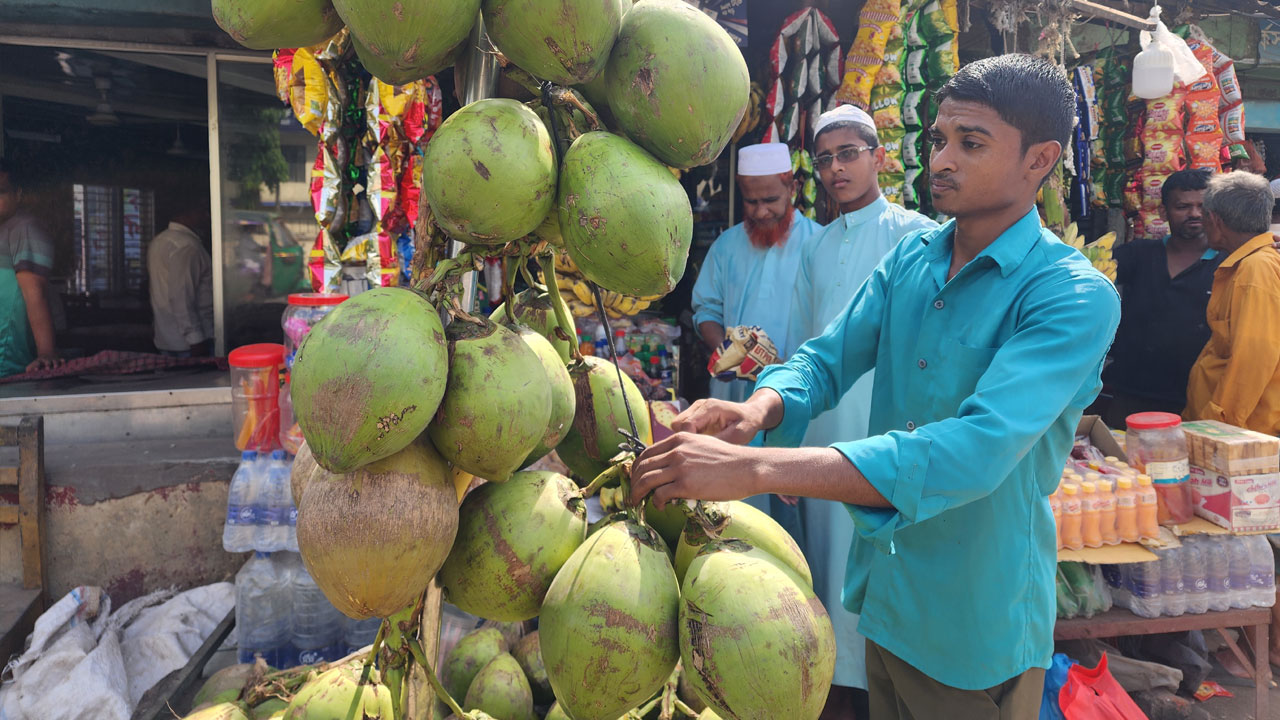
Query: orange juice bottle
1107, 513
1148, 509
1072, 518
1055, 502
1126, 510
1091, 525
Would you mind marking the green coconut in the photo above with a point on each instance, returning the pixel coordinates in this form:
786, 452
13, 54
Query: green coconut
676, 82
594, 438
368, 379
498, 404
608, 624
564, 41
753, 636
626, 220
749, 524
407, 40
513, 538
533, 309
528, 652
490, 172
469, 657
669, 522
560, 386
373, 539
220, 711
338, 694
271, 24
502, 690
274, 707
223, 686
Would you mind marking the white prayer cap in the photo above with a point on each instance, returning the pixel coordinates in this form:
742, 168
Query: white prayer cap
1275, 188
844, 113
764, 159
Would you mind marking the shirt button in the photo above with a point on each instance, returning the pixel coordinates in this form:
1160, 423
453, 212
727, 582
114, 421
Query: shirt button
922, 364
938, 304
910, 425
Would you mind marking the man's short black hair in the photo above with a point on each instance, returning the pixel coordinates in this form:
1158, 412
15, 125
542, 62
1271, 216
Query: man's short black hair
1184, 180
864, 133
1030, 93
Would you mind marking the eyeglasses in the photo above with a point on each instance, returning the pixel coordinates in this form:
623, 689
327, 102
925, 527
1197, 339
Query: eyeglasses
844, 155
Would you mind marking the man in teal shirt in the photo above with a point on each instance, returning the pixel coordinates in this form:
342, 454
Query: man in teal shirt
987, 336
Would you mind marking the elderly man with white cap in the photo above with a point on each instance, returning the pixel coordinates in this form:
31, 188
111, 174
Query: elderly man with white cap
848, 157
750, 271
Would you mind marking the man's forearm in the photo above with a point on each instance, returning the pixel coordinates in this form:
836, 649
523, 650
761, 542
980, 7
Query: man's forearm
34, 293
712, 333
815, 473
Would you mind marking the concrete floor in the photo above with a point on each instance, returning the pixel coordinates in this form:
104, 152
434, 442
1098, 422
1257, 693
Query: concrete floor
1240, 707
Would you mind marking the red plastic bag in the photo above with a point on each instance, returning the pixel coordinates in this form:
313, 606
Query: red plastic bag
1093, 694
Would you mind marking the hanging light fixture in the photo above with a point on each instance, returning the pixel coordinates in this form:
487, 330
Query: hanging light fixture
104, 115
178, 148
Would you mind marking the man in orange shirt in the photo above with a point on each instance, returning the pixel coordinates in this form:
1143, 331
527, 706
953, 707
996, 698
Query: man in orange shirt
1237, 377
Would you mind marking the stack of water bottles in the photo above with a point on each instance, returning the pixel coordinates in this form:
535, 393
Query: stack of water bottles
280, 613
1208, 573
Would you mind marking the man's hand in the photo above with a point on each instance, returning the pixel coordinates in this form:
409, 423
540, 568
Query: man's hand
732, 422
45, 362
695, 467
791, 500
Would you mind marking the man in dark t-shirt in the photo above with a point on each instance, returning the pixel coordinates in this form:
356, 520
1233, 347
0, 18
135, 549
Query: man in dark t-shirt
1165, 286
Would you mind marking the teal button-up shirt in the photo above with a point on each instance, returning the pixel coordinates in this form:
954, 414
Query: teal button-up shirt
979, 385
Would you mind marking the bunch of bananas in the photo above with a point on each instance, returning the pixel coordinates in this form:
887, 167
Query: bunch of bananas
577, 294
1098, 252
755, 111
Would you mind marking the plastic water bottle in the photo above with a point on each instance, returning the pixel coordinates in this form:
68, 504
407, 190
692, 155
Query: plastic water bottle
1195, 578
273, 506
360, 633
1240, 565
1262, 573
1218, 560
1117, 580
262, 612
292, 543
1147, 586
1175, 593
317, 632
237, 534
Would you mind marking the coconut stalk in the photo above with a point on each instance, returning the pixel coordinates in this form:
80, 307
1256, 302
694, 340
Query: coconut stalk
548, 263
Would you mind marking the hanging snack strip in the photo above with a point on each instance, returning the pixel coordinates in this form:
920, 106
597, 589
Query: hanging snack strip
1084, 137
875, 24
932, 36
886, 110
804, 74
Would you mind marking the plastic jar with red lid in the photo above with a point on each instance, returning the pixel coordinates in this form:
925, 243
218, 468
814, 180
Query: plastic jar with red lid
1157, 446
302, 314
255, 392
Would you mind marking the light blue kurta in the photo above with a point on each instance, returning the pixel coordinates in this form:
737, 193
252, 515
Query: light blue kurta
740, 284
980, 382
834, 266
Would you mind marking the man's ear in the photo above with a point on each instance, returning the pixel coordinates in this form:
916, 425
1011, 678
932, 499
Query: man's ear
878, 158
1041, 158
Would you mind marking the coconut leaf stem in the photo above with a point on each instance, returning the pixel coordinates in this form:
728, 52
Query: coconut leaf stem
421, 657
548, 263
609, 475
397, 630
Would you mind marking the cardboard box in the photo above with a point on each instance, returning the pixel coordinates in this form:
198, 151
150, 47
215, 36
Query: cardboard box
1239, 503
1231, 451
1100, 435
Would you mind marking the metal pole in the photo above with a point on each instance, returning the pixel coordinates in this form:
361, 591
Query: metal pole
733, 182
479, 82
215, 207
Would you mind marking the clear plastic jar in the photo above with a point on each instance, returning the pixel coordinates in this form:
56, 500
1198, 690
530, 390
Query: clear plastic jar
302, 314
1157, 446
255, 395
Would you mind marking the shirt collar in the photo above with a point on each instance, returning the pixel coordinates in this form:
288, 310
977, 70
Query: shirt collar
179, 226
1262, 241
862, 215
1208, 254
1007, 251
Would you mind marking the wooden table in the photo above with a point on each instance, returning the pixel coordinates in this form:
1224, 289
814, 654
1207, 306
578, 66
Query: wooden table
1119, 622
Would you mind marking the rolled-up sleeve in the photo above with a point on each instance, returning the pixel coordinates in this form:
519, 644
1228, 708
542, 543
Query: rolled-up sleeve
824, 368
1052, 361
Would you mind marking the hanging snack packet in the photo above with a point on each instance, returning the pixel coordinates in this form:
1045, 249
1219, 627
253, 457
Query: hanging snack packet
1229, 84
911, 156
942, 62
887, 114
1204, 150
939, 20
916, 67
1165, 113
1163, 153
1202, 109
1232, 121
866, 54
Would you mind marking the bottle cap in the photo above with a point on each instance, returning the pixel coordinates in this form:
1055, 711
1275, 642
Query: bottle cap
1112, 459
1070, 489
1104, 486
1124, 482
654, 360
1088, 487
619, 333
1093, 477
1144, 480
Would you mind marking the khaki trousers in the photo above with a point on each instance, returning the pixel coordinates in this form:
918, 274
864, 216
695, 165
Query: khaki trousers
901, 692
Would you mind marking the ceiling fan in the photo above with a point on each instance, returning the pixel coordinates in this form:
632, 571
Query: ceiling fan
104, 115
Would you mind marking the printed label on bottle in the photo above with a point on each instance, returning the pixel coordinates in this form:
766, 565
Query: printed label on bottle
1071, 507
1127, 501
1200, 585
270, 516
311, 657
240, 514
1173, 471
293, 517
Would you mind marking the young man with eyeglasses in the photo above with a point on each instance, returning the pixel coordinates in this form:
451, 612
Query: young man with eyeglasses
987, 336
848, 157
